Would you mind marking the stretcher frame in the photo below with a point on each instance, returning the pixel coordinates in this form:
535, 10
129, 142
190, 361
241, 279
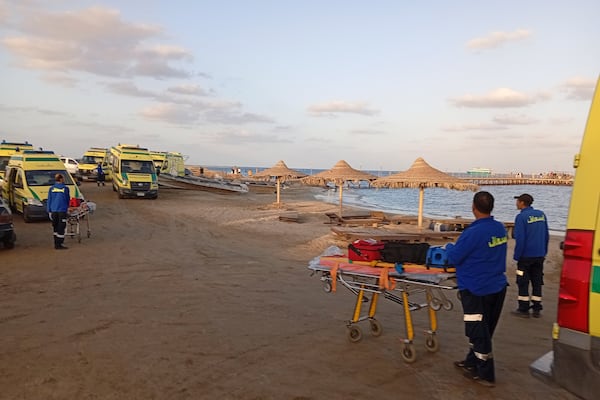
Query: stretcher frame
75, 217
364, 280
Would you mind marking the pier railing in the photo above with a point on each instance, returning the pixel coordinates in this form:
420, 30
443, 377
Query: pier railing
520, 181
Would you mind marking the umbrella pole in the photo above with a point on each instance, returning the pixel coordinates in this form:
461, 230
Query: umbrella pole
341, 190
278, 189
421, 196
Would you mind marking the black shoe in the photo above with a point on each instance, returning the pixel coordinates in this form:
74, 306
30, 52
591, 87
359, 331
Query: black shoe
476, 378
61, 247
520, 314
462, 365
536, 314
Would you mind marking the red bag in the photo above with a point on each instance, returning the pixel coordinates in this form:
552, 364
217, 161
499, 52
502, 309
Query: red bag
365, 250
74, 202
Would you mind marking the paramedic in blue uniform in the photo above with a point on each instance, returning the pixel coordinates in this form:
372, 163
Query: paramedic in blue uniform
531, 245
479, 256
57, 206
101, 177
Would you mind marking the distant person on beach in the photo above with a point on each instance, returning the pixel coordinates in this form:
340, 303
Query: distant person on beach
531, 246
57, 206
101, 176
479, 256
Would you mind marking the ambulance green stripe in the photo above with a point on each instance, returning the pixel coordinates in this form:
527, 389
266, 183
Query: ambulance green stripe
596, 279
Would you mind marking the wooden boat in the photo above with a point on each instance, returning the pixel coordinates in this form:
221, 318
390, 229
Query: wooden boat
172, 175
190, 182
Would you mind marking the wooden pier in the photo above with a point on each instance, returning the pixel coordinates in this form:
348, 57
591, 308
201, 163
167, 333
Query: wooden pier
520, 181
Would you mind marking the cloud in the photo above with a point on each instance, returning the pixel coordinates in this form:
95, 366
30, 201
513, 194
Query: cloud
60, 79
338, 107
244, 137
234, 118
497, 39
474, 127
579, 88
499, 98
129, 89
38, 110
171, 113
520, 119
95, 40
189, 89
367, 132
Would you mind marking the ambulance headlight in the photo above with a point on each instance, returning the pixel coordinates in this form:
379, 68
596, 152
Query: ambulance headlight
34, 202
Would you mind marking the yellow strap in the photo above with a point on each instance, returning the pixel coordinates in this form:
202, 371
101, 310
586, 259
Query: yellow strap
384, 280
333, 274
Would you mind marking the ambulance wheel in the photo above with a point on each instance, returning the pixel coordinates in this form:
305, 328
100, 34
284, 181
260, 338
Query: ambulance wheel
121, 196
432, 344
9, 242
354, 334
376, 328
448, 305
409, 355
27, 214
327, 286
435, 304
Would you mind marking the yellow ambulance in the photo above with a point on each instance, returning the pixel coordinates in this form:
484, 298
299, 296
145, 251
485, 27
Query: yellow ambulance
574, 362
173, 164
29, 176
133, 172
88, 165
7, 149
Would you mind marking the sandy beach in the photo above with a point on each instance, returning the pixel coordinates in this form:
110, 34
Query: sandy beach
198, 295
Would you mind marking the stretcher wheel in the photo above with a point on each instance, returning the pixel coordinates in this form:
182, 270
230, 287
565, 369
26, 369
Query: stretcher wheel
409, 355
327, 286
79, 239
435, 304
354, 334
376, 328
432, 344
448, 305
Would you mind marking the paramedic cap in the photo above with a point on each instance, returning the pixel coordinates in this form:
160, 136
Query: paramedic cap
525, 198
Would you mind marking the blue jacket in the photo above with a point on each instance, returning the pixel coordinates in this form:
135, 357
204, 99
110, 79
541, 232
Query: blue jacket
479, 256
58, 198
531, 234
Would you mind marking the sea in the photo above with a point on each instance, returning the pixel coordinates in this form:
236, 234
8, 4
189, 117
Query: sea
445, 203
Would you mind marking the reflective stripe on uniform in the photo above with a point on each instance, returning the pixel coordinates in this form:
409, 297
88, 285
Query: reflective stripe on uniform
520, 273
482, 356
472, 317
60, 236
536, 298
523, 298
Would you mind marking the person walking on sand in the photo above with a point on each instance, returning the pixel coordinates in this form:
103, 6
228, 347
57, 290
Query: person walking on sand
57, 206
101, 176
531, 246
479, 256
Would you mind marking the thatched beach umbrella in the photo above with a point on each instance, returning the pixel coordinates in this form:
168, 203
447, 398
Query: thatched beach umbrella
281, 172
339, 174
422, 175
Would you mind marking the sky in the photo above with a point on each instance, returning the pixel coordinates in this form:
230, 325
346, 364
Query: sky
505, 85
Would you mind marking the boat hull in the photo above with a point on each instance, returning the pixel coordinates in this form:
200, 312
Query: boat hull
198, 183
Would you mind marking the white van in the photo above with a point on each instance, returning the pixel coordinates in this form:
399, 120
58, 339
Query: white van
71, 165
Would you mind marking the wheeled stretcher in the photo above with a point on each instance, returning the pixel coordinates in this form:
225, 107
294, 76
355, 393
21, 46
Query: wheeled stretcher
77, 216
395, 283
